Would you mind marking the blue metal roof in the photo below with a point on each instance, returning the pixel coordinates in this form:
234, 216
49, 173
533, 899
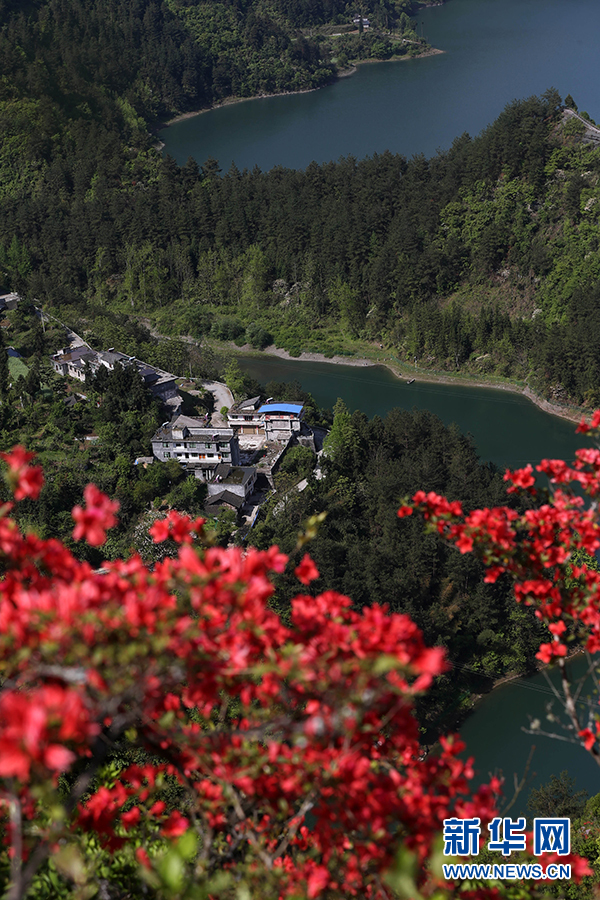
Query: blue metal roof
282, 407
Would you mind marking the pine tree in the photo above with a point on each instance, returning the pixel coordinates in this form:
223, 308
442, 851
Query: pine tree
4, 370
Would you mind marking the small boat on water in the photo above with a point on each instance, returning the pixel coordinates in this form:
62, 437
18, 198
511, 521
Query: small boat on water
412, 381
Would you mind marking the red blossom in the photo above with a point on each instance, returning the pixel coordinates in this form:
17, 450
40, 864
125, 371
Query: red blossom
306, 571
520, 478
175, 825
250, 720
97, 517
24, 480
179, 528
588, 737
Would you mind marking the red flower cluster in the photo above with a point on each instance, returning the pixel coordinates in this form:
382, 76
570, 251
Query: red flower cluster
252, 723
179, 528
306, 571
98, 516
535, 548
38, 727
246, 724
24, 480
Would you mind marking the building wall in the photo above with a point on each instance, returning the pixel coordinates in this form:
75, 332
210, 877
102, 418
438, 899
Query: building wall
240, 490
194, 451
283, 426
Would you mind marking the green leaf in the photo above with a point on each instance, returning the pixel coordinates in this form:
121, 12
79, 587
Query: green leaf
171, 869
69, 862
386, 663
187, 844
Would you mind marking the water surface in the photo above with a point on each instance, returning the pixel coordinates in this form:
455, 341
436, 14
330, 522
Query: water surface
495, 51
508, 429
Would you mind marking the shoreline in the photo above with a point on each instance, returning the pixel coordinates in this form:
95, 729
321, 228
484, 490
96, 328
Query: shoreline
231, 101
571, 414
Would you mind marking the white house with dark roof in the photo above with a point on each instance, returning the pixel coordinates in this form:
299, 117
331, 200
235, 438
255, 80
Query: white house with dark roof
198, 448
244, 417
72, 361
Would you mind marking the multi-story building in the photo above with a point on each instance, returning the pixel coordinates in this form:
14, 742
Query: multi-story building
74, 361
198, 448
282, 420
276, 421
245, 417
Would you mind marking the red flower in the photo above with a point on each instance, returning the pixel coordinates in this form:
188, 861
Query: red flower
24, 480
306, 571
520, 478
179, 528
142, 857
588, 737
175, 825
96, 518
17, 458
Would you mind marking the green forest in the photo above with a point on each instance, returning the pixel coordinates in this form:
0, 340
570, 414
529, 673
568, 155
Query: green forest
363, 550
482, 259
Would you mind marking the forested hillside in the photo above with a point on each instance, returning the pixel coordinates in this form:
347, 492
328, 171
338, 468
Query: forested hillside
165, 56
481, 259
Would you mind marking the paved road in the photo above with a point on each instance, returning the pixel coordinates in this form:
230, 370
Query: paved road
223, 397
592, 131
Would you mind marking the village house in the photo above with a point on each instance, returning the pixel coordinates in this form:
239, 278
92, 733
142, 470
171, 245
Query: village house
282, 420
9, 301
198, 448
77, 361
274, 420
245, 418
232, 485
72, 361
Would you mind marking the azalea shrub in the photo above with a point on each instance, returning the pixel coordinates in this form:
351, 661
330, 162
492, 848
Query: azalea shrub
143, 707
547, 552
167, 720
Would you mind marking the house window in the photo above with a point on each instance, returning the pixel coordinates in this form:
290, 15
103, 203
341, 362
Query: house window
166, 455
166, 444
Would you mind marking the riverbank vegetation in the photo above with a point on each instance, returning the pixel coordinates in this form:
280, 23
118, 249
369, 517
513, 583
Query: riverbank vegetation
484, 259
